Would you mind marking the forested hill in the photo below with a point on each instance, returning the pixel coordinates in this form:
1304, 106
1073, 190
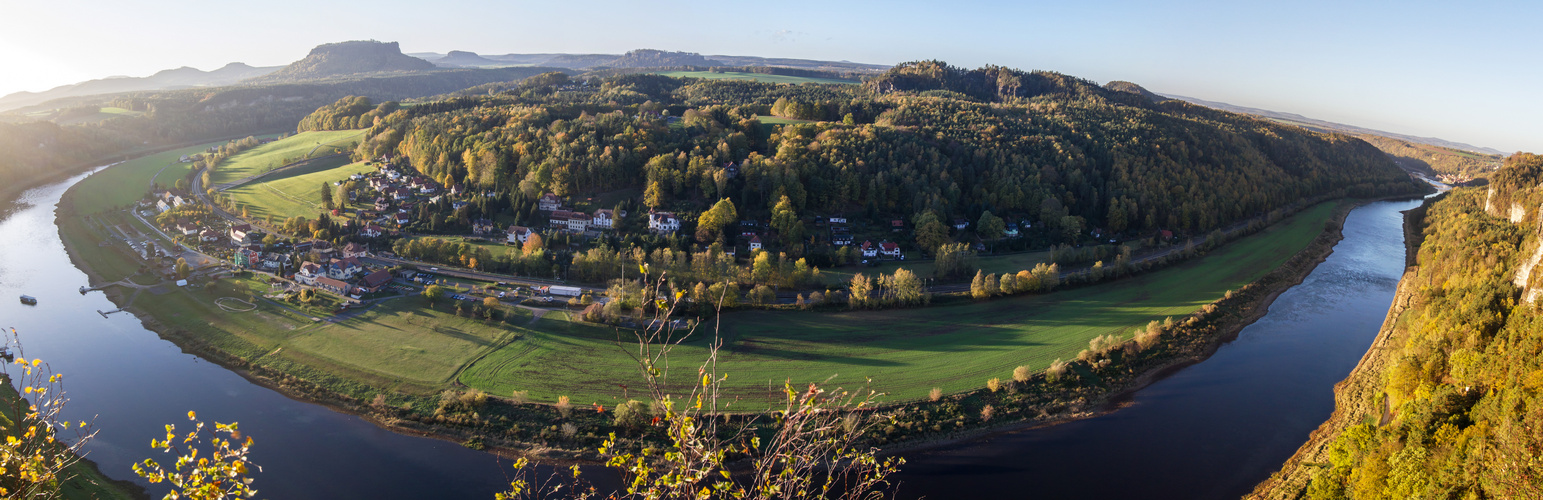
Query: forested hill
33, 151
925, 141
1461, 373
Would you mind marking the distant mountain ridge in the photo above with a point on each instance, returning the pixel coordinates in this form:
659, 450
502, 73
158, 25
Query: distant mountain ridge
641, 58
170, 79
1323, 125
352, 57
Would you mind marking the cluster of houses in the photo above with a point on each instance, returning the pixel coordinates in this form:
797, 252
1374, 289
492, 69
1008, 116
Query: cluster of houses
560, 219
887, 249
345, 276
167, 201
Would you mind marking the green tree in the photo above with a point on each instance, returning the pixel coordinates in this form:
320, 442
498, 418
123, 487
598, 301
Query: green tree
710, 224
182, 269
931, 233
433, 293
785, 220
990, 226
326, 196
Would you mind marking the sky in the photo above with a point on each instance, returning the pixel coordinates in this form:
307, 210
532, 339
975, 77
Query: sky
1464, 71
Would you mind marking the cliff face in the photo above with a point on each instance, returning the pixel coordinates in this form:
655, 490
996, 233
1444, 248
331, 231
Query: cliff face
1516, 194
345, 58
1448, 402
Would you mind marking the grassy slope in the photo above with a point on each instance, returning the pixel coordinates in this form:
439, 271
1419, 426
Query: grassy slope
295, 193
753, 76
905, 352
127, 182
269, 156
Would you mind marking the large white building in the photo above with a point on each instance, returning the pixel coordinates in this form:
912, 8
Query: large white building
663, 222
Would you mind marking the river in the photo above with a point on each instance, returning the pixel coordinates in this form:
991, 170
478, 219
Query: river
133, 383
1211, 430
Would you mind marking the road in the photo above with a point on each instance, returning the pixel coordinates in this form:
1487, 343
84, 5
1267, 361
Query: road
472, 275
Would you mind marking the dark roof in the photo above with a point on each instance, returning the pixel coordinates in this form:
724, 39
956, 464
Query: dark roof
377, 278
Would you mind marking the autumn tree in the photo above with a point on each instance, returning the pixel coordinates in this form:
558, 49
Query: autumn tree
785, 220
710, 225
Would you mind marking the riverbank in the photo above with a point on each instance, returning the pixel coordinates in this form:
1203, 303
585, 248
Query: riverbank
1359, 397
1102, 392
1217, 327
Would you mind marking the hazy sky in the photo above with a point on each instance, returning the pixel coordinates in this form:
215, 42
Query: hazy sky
1466, 71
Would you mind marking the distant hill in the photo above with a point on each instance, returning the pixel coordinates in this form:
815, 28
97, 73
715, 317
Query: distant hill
170, 79
1131, 88
650, 58
463, 59
344, 58
1327, 126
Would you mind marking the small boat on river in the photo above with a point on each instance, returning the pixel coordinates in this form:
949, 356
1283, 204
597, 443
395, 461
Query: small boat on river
29, 300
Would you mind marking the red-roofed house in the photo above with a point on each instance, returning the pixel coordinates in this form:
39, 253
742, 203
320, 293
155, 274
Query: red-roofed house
375, 281
755, 243
549, 202
869, 250
890, 249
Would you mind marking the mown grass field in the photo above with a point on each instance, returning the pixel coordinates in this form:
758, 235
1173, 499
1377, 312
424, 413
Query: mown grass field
905, 352
753, 76
294, 193
127, 182
273, 155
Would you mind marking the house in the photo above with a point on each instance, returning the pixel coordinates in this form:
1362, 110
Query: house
456, 205
604, 218
354, 251
755, 243
482, 226
332, 285
549, 202
889, 249
1011, 231
457, 190
573, 222
1167, 235
161, 206
400, 194
841, 240
869, 250
662, 222
838, 220
186, 228
185, 159
960, 223
372, 231
375, 281
309, 272
241, 234
345, 269
517, 234
896, 225
401, 219
209, 235
381, 204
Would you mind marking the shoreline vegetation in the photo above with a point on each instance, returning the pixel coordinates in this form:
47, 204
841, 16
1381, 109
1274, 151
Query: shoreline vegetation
1109, 371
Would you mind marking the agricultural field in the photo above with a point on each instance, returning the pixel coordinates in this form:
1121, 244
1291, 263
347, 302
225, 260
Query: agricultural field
278, 153
753, 76
295, 192
777, 120
905, 352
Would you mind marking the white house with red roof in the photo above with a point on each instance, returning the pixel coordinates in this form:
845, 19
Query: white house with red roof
755, 243
890, 249
549, 202
870, 250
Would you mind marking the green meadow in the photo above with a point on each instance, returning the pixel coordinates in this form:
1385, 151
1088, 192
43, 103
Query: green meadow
295, 192
278, 153
904, 352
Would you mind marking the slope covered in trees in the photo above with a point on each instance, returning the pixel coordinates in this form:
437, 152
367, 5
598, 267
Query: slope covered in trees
1445, 161
1459, 378
923, 138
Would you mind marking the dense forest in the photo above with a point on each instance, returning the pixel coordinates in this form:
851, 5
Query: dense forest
1462, 392
924, 139
1444, 161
